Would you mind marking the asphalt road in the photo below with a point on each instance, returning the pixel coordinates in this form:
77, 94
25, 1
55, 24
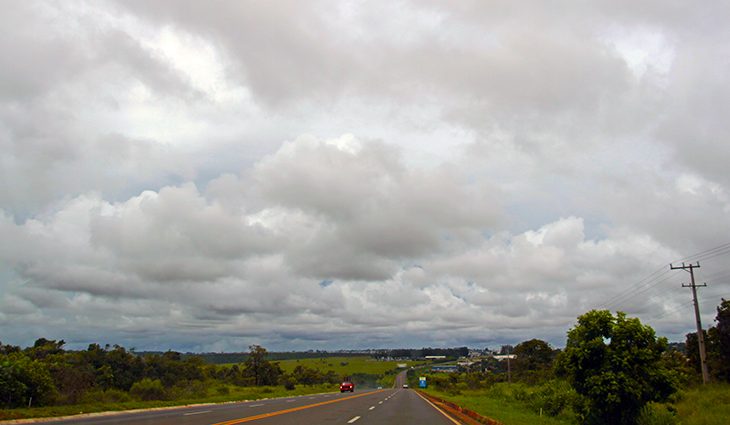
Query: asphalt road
363, 407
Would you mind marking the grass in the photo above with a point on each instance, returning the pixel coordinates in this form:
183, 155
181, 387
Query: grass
704, 405
497, 403
344, 365
235, 394
700, 405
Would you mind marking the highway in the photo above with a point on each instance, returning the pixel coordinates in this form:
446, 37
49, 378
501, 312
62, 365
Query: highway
365, 407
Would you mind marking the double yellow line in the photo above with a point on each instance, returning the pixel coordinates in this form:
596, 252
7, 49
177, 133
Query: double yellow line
294, 409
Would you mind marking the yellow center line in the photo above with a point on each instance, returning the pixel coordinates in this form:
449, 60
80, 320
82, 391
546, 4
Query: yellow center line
294, 409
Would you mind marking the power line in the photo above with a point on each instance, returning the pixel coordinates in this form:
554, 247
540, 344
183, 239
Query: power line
652, 280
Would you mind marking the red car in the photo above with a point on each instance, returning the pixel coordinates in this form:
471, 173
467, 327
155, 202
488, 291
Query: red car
347, 386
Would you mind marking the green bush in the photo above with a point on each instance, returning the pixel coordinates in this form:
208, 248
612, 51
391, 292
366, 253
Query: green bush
289, 384
148, 389
188, 390
111, 395
553, 397
657, 414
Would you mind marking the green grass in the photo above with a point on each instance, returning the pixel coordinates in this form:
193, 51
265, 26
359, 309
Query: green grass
235, 394
704, 405
346, 365
342, 365
501, 406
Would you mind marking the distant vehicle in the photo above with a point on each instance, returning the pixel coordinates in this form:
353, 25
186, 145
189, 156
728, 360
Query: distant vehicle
405, 386
347, 386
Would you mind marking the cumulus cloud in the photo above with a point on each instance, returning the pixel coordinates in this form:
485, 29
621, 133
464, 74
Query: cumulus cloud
397, 173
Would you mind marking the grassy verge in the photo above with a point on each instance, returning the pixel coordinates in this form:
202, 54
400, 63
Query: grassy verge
701, 405
234, 394
500, 402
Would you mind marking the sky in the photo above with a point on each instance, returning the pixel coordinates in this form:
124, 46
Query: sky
203, 176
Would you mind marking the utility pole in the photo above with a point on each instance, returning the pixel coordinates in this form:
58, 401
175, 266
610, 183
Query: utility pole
700, 333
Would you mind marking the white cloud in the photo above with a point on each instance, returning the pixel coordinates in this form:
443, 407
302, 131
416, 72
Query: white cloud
407, 173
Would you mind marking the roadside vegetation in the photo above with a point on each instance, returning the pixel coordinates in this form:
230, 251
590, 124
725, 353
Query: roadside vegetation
614, 370
47, 380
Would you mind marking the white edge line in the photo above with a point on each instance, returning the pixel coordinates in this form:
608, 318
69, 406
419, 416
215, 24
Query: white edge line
353, 420
197, 413
436, 407
256, 405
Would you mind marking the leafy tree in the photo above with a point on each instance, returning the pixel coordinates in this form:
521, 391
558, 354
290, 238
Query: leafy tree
720, 340
717, 345
534, 354
534, 360
614, 364
24, 380
260, 370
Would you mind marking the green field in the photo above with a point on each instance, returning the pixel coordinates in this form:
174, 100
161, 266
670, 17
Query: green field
343, 366
346, 365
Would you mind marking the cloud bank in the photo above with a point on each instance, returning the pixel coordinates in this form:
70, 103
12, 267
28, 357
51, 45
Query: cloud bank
360, 175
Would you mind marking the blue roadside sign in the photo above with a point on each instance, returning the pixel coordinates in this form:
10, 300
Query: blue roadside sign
422, 382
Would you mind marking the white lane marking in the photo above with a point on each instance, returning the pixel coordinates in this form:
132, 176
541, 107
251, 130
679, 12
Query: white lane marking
371, 408
290, 401
197, 413
326, 395
256, 405
353, 420
311, 398
380, 402
436, 407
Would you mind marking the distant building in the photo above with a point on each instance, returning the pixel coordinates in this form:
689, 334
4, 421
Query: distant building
435, 357
445, 368
505, 356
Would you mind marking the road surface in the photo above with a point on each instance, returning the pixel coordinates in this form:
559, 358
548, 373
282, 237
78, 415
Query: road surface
363, 407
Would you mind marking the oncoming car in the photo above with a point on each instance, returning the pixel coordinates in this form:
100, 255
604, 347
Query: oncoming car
347, 386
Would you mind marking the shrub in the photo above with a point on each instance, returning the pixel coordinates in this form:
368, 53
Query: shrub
553, 397
289, 384
148, 389
656, 414
111, 395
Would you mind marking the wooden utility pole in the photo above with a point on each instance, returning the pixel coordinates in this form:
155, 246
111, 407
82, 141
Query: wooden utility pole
700, 333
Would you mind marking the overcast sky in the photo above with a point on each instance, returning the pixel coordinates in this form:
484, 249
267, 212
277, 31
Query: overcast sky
204, 176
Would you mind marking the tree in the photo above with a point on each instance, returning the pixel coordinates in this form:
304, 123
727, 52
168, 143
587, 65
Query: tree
717, 342
534, 354
260, 370
614, 364
25, 381
722, 342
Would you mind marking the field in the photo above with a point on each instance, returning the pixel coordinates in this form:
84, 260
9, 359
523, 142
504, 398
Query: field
343, 366
346, 365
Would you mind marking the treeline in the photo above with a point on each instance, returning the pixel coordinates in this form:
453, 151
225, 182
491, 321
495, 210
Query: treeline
227, 358
47, 374
406, 353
